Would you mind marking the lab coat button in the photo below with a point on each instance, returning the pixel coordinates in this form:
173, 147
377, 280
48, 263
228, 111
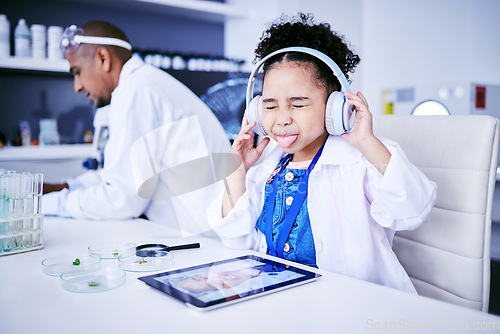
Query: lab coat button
289, 176
286, 248
289, 200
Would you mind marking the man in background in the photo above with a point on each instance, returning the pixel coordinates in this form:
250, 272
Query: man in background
155, 124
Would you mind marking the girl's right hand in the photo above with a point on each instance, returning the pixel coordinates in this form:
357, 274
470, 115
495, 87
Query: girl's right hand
243, 144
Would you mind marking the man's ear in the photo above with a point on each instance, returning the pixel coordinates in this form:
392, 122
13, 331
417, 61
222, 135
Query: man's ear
103, 56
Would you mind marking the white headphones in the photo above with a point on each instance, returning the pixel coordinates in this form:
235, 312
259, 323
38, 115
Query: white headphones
339, 116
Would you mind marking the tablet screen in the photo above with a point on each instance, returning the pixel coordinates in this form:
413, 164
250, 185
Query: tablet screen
215, 284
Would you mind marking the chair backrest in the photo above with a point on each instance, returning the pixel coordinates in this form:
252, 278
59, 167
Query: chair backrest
448, 258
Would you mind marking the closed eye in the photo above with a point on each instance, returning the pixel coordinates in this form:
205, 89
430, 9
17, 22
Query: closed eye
269, 103
298, 102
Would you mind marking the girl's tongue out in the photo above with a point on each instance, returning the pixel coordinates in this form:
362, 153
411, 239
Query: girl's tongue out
286, 140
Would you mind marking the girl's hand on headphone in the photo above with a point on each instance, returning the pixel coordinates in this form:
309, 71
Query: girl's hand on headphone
362, 136
243, 144
362, 129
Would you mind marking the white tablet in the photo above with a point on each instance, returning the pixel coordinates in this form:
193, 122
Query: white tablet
221, 283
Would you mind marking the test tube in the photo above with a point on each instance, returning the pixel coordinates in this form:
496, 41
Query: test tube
37, 209
37, 192
11, 186
27, 180
4, 196
17, 207
4, 211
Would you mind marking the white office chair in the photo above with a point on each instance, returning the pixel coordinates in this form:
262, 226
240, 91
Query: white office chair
448, 258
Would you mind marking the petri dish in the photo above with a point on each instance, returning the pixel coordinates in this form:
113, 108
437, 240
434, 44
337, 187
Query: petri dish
132, 262
111, 250
104, 279
56, 265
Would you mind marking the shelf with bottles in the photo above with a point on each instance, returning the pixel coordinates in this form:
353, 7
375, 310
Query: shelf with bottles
188, 62
36, 47
161, 60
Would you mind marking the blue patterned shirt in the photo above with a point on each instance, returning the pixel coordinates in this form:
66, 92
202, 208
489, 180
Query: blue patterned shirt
300, 240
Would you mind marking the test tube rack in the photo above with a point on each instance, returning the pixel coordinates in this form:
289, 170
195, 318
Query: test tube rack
21, 234
21, 218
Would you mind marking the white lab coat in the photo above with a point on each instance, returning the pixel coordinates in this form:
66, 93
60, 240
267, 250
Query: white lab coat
145, 100
354, 211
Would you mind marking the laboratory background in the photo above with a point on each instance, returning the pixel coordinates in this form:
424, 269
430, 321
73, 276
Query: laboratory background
411, 51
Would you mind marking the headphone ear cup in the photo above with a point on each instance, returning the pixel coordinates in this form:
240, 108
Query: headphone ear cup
334, 114
254, 114
349, 114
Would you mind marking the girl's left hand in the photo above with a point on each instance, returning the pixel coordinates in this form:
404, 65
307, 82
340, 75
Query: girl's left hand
362, 129
362, 137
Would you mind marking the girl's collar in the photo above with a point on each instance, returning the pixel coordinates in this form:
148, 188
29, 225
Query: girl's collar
299, 164
336, 152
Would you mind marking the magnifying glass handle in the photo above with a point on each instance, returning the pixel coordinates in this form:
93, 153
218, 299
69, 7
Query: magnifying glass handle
187, 246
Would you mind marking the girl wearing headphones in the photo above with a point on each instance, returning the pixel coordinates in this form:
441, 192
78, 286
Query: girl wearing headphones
330, 194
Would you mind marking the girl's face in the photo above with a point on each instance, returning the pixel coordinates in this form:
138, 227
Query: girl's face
294, 109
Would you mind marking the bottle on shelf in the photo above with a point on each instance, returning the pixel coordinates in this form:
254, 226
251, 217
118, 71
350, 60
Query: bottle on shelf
22, 39
54, 35
4, 36
48, 132
38, 41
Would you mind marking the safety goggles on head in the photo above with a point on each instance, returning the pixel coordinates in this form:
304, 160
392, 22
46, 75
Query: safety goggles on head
72, 37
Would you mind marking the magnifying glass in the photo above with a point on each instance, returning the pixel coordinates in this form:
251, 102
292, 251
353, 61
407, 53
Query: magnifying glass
156, 250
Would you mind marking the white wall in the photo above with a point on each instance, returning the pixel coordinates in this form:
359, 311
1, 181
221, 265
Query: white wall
413, 43
402, 43
242, 35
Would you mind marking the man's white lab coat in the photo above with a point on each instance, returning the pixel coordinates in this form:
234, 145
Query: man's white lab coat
168, 124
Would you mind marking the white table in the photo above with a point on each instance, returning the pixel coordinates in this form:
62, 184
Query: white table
32, 302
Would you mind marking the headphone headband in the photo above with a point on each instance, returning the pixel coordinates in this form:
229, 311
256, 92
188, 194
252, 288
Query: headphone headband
313, 52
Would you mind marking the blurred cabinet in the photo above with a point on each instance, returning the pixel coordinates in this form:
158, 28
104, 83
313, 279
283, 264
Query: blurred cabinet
57, 163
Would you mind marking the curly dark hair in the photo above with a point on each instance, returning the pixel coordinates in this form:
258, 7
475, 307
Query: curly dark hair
302, 31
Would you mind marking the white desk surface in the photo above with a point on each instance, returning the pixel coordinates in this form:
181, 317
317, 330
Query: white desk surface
32, 302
